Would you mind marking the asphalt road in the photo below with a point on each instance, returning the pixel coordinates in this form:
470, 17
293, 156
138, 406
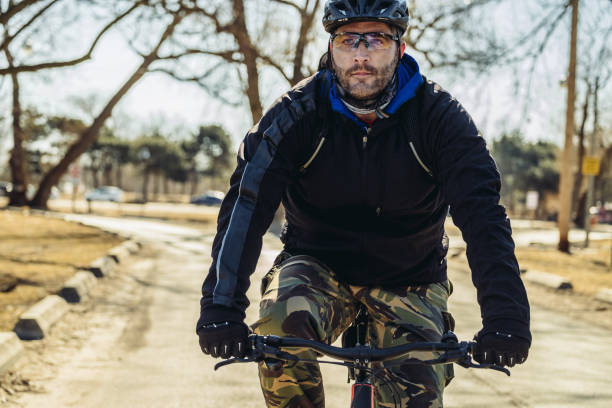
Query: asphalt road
136, 347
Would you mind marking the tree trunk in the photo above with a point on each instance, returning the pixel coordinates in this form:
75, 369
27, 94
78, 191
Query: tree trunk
194, 183
155, 185
250, 60
94, 177
307, 20
118, 180
108, 173
166, 189
89, 135
565, 183
580, 210
17, 161
145, 185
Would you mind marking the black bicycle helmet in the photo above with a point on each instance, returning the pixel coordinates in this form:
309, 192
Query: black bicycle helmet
339, 12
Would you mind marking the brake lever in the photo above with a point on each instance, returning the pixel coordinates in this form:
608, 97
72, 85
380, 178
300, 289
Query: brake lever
273, 352
468, 363
257, 356
233, 360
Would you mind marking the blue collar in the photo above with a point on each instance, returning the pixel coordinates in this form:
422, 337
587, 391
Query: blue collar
409, 78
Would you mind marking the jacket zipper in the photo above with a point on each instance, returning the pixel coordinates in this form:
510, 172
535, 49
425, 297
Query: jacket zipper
364, 175
364, 172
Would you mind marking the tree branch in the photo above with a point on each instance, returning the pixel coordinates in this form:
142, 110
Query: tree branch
195, 78
291, 4
268, 60
89, 135
59, 64
200, 81
12, 10
40, 12
226, 55
220, 28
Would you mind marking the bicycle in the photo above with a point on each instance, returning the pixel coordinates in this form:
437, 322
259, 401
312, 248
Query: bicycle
359, 359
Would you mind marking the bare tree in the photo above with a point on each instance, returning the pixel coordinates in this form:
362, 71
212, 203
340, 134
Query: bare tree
17, 160
460, 35
235, 52
36, 18
11, 35
86, 138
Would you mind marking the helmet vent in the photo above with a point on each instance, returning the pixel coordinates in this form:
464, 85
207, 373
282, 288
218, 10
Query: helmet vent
338, 12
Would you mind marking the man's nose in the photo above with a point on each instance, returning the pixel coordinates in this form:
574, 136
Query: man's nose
362, 53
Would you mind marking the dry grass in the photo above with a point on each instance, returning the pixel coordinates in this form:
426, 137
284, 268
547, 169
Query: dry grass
588, 269
42, 253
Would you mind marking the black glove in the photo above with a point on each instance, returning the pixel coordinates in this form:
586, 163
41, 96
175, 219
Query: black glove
224, 339
502, 349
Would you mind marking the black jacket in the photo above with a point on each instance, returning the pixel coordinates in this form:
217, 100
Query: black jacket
366, 204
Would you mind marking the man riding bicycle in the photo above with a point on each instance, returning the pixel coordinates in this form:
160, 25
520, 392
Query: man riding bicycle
366, 156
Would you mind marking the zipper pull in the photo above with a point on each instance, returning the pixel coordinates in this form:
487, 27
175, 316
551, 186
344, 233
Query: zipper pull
365, 138
378, 211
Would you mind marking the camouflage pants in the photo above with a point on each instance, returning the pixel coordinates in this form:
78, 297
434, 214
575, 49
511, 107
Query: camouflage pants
301, 298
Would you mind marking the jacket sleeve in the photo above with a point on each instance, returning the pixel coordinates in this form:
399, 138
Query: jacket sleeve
267, 159
471, 185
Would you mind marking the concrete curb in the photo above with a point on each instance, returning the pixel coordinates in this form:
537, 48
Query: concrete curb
11, 350
119, 253
132, 246
604, 295
548, 279
102, 266
76, 288
123, 251
37, 320
35, 323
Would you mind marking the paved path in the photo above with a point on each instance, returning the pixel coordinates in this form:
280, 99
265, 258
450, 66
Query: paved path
139, 348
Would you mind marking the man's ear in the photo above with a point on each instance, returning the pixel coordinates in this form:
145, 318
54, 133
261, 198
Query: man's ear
402, 48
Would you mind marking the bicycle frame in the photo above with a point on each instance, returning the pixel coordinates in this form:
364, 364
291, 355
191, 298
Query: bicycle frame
362, 390
362, 396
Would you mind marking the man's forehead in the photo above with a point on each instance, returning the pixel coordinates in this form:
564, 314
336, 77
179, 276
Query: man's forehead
365, 26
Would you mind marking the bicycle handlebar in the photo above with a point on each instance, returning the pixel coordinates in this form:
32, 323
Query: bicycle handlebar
358, 353
263, 347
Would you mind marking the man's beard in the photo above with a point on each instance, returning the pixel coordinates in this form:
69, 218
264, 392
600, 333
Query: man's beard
362, 94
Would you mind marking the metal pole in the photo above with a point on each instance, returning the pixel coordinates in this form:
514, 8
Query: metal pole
565, 183
592, 152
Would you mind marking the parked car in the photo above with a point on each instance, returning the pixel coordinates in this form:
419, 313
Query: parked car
5, 188
601, 214
209, 198
105, 193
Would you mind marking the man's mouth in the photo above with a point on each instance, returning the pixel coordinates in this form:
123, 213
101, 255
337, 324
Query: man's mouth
361, 73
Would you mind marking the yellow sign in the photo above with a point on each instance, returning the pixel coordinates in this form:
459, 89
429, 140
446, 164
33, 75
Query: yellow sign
590, 166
